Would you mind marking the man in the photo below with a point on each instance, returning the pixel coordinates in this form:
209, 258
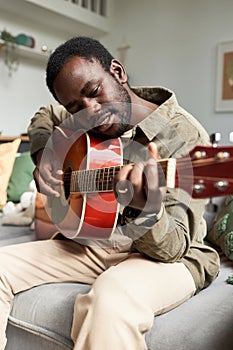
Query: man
158, 260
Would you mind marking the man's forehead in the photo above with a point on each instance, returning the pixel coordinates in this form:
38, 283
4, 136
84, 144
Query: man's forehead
83, 61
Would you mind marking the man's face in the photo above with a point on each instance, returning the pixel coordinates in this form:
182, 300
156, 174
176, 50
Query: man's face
83, 84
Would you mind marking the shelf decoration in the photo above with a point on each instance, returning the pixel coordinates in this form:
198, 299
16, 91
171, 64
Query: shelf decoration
25, 40
11, 54
10, 45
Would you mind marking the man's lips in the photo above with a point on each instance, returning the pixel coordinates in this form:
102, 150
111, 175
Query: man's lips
104, 122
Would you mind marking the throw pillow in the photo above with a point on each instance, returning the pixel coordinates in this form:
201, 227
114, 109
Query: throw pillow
21, 177
8, 152
221, 233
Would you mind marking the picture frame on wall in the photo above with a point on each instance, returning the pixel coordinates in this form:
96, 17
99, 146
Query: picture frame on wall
224, 77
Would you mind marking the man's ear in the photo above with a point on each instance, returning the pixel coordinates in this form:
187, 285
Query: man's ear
118, 70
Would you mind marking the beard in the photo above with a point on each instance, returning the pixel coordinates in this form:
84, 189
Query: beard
120, 111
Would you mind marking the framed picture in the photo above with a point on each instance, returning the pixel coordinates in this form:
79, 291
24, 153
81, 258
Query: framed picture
224, 78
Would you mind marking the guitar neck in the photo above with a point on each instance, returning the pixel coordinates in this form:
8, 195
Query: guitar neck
102, 179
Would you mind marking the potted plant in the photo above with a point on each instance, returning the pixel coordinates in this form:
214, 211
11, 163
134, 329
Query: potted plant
10, 48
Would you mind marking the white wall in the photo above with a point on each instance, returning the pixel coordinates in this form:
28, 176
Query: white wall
173, 44
25, 90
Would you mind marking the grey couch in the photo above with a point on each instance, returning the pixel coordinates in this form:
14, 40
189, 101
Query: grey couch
41, 317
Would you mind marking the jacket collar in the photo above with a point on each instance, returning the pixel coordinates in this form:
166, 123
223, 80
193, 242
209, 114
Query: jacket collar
158, 119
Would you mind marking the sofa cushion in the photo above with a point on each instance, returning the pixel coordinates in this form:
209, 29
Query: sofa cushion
42, 316
204, 322
8, 152
21, 177
221, 232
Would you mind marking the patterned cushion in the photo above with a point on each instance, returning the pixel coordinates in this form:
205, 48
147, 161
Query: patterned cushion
8, 152
221, 232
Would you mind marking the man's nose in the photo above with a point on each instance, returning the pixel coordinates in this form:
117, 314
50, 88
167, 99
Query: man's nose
93, 106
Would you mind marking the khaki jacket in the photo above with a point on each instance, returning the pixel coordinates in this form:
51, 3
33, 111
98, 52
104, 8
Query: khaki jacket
179, 233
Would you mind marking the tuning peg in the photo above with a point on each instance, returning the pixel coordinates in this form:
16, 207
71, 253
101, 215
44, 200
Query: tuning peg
215, 138
231, 137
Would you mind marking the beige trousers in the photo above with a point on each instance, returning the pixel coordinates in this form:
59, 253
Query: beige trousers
127, 289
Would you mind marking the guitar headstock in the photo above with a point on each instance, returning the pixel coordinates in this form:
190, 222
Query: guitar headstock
212, 171
207, 172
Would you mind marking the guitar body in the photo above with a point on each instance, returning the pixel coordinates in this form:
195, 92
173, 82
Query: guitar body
85, 215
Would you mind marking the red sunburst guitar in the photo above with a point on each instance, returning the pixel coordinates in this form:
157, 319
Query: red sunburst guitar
88, 208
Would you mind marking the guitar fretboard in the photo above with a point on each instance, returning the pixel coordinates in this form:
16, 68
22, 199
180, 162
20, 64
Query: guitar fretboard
102, 179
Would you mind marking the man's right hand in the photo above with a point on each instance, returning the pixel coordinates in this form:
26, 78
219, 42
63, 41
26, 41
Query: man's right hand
48, 173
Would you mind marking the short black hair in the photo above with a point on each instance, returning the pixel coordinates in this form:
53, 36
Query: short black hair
81, 46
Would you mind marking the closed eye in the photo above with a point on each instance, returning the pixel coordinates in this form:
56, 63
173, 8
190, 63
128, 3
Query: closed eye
94, 92
70, 106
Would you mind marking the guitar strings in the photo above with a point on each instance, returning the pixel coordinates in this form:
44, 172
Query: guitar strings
198, 163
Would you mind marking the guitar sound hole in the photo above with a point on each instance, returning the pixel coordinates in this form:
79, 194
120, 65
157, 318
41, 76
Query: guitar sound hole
66, 180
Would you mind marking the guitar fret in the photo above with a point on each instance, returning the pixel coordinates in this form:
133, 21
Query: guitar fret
102, 171
92, 182
107, 181
77, 185
95, 174
87, 182
73, 182
81, 181
111, 177
98, 179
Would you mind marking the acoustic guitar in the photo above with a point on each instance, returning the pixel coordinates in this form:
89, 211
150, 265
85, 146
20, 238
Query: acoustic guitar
88, 208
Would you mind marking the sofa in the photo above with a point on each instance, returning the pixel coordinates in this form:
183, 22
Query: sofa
41, 318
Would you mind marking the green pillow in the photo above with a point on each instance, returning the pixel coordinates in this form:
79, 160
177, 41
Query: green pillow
21, 177
221, 233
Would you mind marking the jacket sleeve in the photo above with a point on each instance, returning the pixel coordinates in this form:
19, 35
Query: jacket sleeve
42, 125
181, 224
169, 239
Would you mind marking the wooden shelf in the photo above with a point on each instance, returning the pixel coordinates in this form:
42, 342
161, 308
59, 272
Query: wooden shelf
12, 138
63, 16
24, 145
27, 52
34, 54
